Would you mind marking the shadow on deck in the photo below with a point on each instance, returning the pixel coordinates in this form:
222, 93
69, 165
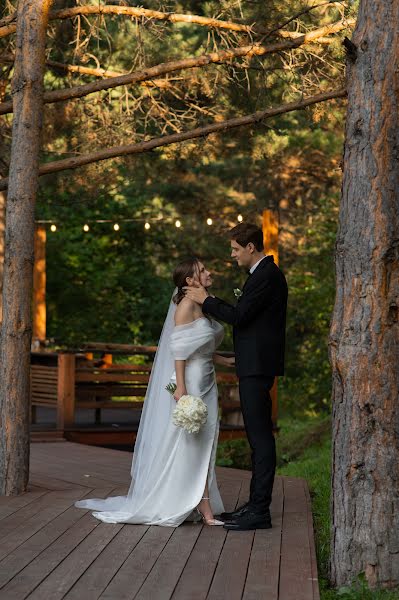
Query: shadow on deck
51, 550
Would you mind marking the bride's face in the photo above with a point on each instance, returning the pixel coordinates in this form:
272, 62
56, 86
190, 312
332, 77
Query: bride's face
201, 275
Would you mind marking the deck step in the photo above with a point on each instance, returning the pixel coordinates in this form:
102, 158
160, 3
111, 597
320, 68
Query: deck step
47, 436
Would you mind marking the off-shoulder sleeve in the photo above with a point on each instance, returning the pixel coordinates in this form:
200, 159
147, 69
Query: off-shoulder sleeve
190, 338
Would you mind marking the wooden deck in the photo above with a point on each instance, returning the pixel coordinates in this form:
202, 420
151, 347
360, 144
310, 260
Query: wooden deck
51, 550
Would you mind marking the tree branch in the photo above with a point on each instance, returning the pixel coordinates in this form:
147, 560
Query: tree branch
8, 24
146, 146
278, 29
162, 83
186, 63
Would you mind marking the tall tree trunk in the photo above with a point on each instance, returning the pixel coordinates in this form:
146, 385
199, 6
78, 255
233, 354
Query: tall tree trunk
2, 225
364, 339
27, 88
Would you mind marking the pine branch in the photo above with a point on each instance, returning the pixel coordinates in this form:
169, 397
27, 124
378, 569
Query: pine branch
8, 24
221, 57
146, 146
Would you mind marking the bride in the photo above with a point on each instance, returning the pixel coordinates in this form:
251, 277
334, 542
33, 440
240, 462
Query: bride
173, 472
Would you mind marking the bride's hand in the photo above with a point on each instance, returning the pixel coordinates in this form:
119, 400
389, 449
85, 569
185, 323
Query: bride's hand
179, 392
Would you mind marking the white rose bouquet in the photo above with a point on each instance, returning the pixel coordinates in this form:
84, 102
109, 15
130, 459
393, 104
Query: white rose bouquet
190, 412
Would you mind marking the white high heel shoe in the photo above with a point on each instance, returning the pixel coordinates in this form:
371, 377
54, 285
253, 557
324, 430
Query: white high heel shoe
210, 522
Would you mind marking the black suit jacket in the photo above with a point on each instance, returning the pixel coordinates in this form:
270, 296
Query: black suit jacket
258, 321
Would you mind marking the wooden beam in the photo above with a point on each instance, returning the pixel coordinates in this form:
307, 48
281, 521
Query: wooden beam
39, 285
66, 391
270, 224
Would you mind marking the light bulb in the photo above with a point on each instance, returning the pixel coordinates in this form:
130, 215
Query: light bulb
116, 227
209, 221
239, 218
53, 227
86, 227
147, 226
178, 224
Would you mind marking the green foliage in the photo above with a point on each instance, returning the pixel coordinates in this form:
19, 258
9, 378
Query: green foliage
115, 287
311, 297
292, 440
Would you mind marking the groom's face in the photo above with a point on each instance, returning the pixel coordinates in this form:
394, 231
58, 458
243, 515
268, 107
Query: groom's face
243, 255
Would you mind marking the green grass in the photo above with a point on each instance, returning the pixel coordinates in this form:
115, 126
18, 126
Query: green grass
304, 450
293, 438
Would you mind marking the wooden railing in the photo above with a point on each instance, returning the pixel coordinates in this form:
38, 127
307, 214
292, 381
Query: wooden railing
68, 381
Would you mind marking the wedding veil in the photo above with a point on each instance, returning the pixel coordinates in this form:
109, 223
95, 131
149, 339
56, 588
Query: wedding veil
156, 413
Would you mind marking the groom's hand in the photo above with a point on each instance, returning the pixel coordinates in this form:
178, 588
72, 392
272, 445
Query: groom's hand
197, 293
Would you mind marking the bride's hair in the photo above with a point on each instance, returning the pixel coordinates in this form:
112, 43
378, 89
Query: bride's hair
186, 268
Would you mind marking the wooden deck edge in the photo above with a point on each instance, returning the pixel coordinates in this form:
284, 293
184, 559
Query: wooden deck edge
56, 435
315, 578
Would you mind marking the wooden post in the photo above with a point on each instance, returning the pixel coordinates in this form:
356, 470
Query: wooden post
270, 224
66, 391
39, 285
107, 360
16, 329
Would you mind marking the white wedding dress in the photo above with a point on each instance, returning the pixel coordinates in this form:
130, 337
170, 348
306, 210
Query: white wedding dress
170, 466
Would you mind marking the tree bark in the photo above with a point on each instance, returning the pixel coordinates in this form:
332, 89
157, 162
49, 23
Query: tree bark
364, 342
27, 87
2, 225
146, 146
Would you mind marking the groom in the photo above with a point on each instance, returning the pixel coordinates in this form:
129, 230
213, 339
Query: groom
258, 322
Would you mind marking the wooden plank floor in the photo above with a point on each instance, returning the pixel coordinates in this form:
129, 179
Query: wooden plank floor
51, 550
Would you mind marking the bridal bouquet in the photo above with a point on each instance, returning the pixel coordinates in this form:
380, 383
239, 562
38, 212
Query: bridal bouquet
190, 412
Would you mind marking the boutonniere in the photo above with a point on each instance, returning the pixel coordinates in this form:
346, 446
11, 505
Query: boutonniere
237, 292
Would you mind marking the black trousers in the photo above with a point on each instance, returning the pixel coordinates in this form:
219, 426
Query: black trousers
256, 407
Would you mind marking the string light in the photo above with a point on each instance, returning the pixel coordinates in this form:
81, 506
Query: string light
147, 224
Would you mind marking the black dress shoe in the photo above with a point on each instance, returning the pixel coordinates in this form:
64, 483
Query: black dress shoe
229, 516
249, 520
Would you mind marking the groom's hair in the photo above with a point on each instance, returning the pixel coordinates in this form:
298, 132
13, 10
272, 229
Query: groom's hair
244, 233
